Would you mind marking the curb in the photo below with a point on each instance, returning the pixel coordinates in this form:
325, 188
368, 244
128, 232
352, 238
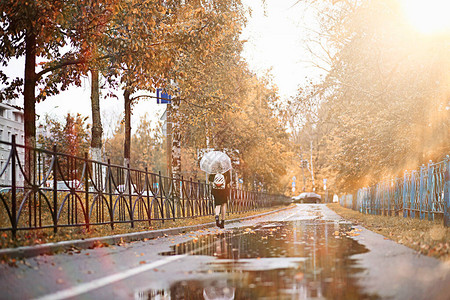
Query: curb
51, 248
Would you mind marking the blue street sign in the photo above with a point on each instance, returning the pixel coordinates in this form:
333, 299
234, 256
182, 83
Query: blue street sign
162, 98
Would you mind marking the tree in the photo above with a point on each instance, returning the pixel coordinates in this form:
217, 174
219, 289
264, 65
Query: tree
383, 101
71, 137
148, 147
114, 145
205, 77
147, 143
45, 29
242, 123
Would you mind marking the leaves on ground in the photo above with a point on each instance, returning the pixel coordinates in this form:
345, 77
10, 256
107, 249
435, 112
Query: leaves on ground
427, 237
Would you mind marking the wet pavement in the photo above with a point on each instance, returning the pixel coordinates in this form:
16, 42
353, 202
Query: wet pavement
274, 260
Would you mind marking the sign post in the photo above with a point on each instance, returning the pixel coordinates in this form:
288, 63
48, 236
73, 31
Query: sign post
325, 189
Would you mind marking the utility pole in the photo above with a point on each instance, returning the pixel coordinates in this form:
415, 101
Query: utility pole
169, 139
165, 98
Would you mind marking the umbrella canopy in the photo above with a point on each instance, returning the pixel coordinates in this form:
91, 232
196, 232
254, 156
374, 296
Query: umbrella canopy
215, 162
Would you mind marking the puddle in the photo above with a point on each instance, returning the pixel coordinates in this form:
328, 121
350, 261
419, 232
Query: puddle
285, 260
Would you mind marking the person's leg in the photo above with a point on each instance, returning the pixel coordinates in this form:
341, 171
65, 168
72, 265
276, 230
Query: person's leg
224, 211
217, 213
217, 210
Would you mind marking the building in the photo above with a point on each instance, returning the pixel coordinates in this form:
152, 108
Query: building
11, 124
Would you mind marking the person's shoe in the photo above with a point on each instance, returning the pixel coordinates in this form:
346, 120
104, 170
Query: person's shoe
217, 221
222, 224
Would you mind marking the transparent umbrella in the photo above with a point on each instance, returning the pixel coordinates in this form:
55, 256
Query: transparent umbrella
215, 162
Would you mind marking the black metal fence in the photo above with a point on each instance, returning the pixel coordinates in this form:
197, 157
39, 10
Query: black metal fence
55, 190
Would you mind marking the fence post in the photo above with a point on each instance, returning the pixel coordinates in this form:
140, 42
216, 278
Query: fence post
421, 192
55, 190
148, 190
388, 193
110, 192
430, 192
405, 194
413, 193
162, 205
447, 192
13, 187
86, 188
130, 189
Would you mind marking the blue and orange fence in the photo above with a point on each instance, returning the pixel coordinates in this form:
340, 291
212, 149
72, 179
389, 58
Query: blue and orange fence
422, 193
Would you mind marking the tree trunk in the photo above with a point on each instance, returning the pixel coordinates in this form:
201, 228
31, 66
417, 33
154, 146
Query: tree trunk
29, 98
97, 131
127, 141
176, 139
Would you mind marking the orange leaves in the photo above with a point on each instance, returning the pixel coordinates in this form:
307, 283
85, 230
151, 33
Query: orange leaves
353, 232
299, 276
248, 230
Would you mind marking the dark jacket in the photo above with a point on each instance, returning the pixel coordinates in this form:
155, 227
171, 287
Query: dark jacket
221, 195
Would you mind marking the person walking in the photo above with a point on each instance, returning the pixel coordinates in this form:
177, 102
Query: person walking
220, 191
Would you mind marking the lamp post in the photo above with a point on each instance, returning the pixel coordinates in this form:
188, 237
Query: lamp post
304, 164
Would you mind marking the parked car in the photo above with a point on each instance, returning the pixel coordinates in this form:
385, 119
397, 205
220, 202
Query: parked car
62, 185
8, 189
307, 197
121, 188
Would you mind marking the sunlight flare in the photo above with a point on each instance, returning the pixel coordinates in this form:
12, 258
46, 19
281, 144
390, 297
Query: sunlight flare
430, 16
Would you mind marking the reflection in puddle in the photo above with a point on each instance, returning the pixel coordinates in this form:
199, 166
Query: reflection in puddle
289, 260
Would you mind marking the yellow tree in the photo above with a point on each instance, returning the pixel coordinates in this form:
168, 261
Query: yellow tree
385, 100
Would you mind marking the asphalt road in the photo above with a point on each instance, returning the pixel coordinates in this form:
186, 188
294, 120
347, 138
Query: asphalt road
306, 252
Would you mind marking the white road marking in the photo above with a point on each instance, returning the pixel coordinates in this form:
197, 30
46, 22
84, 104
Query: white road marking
284, 219
104, 281
101, 282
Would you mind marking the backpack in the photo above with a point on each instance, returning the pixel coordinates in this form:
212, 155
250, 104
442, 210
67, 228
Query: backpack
219, 181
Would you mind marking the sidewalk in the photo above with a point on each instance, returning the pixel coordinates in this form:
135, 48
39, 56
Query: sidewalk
52, 248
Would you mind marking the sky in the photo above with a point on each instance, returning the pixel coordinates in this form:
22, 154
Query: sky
274, 34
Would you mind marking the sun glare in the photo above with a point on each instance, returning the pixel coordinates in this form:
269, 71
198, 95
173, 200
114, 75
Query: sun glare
428, 16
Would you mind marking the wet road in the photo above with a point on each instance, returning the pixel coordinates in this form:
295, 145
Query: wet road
306, 252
